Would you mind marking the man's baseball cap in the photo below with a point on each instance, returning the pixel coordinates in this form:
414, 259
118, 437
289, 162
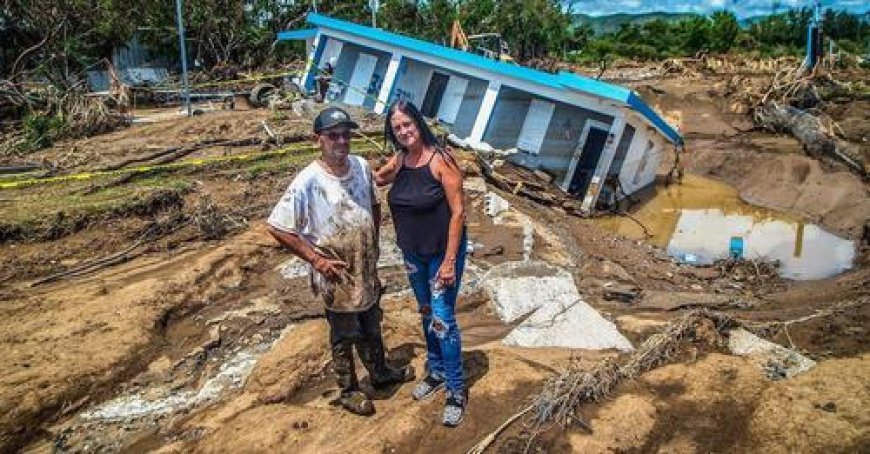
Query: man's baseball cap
332, 117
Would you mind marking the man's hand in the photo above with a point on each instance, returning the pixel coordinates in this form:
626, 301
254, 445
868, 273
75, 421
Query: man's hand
333, 269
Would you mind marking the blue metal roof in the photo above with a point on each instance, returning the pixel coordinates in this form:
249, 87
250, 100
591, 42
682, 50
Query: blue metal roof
562, 80
293, 35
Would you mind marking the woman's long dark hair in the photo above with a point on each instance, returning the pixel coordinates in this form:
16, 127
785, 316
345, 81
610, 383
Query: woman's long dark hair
408, 108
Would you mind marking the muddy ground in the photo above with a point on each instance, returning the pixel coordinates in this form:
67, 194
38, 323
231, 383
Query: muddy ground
198, 335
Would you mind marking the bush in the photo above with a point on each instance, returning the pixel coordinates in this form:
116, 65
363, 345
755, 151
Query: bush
41, 130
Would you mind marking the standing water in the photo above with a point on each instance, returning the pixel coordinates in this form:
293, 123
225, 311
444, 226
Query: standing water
701, 220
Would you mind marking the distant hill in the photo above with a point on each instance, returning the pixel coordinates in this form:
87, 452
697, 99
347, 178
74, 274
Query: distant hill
612, 22
748, 21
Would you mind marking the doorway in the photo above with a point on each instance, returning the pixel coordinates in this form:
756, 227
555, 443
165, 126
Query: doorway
583, 166
434, 94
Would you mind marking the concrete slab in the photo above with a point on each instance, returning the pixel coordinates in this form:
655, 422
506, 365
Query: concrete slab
559, 316
571, 325
519, 288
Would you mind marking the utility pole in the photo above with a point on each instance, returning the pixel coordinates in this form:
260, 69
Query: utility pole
183, 56
374, 5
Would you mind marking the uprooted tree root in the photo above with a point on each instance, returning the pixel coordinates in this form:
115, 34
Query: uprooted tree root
563, 395
792, 103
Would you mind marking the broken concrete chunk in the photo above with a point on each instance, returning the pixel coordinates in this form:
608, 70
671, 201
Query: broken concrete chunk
777, 361
560, 319
569, 325
518, 288
495, 204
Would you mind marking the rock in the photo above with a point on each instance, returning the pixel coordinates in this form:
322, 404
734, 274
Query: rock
619, 292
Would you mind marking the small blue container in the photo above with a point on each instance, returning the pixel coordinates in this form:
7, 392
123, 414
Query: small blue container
735, 249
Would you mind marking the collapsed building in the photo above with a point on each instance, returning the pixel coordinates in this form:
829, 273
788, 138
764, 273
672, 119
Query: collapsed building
584, 132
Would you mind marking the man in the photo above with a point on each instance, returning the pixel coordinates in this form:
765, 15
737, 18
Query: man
330, 217
324, 79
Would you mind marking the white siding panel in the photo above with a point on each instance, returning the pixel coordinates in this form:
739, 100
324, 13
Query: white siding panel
359, 80
452, 99
535, 126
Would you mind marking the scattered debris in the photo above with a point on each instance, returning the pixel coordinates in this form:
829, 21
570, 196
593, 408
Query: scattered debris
777, 361
563, 394
619, 292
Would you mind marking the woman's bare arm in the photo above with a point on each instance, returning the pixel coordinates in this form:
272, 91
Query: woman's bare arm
446, 170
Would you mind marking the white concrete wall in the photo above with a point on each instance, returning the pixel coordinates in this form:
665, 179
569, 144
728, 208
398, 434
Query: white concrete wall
628, 176
413, 80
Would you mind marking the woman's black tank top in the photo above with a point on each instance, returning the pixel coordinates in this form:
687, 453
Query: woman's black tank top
420, 211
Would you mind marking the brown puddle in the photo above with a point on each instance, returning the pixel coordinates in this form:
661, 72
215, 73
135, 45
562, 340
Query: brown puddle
695, 222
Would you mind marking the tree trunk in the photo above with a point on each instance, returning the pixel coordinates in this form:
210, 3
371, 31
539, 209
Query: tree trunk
817, 141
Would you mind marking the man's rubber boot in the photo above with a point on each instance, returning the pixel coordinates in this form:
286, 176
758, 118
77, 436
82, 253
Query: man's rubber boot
342, 365
373, 357
357, 402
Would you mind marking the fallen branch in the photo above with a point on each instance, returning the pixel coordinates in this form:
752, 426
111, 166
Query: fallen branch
150, 235
138, 159
168, 156
808, 129
563, 395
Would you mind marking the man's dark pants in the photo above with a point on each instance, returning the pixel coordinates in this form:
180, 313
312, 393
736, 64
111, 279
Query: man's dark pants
362, 329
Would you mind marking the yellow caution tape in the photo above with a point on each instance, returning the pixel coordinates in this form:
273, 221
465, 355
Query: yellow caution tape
218, 83
198, 162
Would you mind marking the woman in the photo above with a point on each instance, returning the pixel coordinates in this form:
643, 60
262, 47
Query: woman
426, 203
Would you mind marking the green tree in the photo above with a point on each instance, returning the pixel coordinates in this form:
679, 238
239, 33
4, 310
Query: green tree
723, 31
533, 28
57, 39
695, 34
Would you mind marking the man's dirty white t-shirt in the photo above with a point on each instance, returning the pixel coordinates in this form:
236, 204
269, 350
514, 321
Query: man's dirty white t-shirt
335, 214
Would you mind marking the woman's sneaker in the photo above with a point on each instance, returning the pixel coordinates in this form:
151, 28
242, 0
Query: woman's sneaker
427, 387
454, 409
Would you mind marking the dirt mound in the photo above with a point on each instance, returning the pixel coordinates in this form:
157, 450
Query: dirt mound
73, 342
724, 404
824, 410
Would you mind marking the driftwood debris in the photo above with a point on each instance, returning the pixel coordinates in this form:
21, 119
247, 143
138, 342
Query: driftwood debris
528, 184
165, 157
817, 141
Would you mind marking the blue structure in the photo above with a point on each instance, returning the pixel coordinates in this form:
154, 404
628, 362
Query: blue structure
582, 130
814, 39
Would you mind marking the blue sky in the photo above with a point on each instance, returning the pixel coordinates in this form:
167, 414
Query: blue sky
742, 8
